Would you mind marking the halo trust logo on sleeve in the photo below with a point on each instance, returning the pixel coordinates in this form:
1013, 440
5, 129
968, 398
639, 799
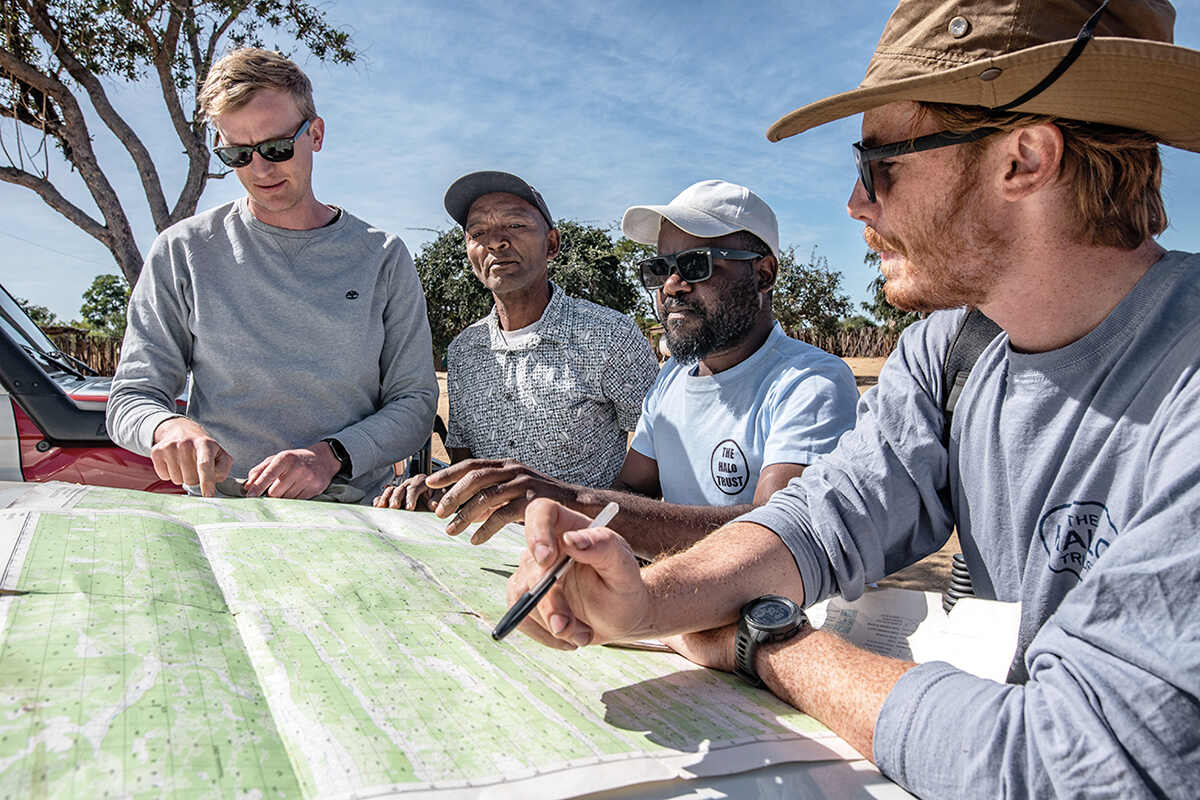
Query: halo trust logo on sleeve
730, 472
1075, 535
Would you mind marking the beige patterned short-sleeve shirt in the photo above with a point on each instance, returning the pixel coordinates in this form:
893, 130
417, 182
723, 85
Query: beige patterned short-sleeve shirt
562, 400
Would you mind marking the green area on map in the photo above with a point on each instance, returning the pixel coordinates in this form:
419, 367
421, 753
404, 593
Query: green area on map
169, 646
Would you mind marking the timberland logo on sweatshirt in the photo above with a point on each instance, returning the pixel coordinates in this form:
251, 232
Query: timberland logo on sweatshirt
1075, 535
730, 473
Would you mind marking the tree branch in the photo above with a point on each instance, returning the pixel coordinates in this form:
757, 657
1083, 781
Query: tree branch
116, 235
24, 72
219, 30
46, 126
74, 127
152, 11
21, 113
199, 67
55, 200
193, 144
47, 27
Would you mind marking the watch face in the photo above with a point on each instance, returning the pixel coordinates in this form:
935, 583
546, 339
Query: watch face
772, 612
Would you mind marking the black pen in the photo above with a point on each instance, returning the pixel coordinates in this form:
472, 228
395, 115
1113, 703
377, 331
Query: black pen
520, 610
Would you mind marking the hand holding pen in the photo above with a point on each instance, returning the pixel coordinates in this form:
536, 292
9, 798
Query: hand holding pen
602, 598
526, 602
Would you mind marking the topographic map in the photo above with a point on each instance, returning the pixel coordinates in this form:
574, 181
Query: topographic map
160, 646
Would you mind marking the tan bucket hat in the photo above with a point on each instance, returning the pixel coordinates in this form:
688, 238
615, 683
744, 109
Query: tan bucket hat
992, 52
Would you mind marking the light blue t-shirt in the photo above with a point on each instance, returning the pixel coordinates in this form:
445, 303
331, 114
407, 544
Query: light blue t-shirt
711, 435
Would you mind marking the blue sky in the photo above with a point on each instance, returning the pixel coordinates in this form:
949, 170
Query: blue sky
601, 106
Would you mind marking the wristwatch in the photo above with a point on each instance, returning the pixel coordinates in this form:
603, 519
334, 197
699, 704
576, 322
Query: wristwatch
769, 618
343, 457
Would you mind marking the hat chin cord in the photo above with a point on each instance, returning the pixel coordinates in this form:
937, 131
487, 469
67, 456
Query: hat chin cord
1081, 41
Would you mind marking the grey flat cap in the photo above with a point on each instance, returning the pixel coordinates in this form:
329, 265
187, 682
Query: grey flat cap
469, 188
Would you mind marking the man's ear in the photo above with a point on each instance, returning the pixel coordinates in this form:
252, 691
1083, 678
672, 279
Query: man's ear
316, 129
766, 269
1032, 159
553, 243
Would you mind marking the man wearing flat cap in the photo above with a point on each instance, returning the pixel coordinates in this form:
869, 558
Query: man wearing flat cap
738, 411
1049, 407
546, 380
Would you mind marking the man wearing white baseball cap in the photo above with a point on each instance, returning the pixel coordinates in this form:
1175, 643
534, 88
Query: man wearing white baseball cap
741, 408
706, 209
738, 411
1009, 163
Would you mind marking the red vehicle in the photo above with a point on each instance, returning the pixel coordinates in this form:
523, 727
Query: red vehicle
52, 414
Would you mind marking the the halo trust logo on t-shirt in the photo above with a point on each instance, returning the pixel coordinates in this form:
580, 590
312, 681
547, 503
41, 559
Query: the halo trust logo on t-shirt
730, 472
1075, 535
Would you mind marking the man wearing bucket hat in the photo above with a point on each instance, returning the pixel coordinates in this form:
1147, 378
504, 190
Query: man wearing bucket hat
544, 380
1009, 163
738, 411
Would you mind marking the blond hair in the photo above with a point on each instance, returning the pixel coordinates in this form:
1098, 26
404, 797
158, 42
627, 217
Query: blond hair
1115, 173
241, 73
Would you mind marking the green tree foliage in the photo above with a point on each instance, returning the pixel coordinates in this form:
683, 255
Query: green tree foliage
879, 308
40, 315
590, 265
57, 55
454, 297
857, 323
807, 297
104, 305
629, 253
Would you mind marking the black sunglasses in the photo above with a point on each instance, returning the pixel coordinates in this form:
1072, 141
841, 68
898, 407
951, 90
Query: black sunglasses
276, 150
863, 156
693, 265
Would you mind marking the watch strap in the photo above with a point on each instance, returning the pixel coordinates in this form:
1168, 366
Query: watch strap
749, 638
745, 645
343, 457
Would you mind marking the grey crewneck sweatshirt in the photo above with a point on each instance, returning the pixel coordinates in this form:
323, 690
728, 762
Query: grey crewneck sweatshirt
289, 337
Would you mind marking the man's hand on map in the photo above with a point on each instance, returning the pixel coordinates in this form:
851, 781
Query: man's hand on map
494, 492
301, 473
712, 648
184, 454
413, 494
601, 598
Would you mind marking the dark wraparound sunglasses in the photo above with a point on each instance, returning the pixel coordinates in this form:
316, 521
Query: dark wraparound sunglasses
863, 156
276, 150
693, 265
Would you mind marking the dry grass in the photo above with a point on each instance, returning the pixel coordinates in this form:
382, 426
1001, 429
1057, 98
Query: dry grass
439, 449
866, 371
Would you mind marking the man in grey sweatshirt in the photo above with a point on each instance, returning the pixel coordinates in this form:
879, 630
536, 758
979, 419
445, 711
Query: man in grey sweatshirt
302, 329
1070, 463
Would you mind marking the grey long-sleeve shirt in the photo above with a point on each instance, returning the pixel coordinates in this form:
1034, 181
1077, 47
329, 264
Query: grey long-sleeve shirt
1074, 478
289, 337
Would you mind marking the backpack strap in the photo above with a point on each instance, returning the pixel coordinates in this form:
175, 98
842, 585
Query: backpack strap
975, 332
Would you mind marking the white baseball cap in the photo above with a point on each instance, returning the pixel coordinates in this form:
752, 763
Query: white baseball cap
707, 209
